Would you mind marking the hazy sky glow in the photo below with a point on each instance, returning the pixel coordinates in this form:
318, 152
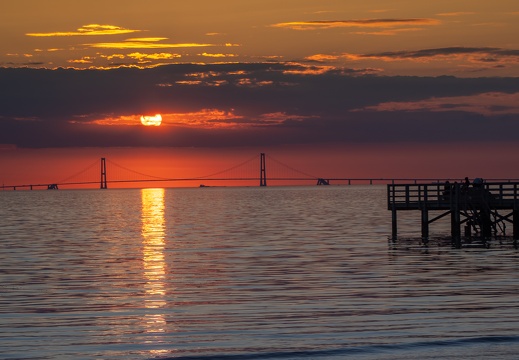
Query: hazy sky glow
263, 74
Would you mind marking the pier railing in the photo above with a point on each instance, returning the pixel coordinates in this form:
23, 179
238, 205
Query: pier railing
443, 195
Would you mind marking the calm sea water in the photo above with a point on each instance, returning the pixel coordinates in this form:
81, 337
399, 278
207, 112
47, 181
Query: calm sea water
242, 273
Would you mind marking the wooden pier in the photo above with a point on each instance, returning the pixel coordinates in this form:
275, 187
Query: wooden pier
482, 208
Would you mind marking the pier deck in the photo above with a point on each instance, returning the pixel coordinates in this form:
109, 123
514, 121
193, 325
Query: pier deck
482, 208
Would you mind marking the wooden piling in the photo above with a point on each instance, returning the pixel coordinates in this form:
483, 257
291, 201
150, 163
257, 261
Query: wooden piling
425, 223
515, 220
394, 224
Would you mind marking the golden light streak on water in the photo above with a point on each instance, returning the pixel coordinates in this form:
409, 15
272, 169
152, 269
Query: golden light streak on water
153, 233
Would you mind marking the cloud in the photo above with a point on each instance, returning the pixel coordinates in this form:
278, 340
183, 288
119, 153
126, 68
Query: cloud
363, 23
488, 104
83, 60
467, 54
88, 30
387, 32
322, 57
244, 104
217, 55
145, 45
154, 56
147, 39
208, 118
458, 13
381, 10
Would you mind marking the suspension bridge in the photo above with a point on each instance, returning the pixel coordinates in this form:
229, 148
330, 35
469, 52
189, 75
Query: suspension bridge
104, 173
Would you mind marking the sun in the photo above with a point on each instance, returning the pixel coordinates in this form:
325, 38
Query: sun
147, 120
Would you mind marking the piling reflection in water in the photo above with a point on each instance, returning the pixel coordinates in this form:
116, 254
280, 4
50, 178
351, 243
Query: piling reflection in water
153, 233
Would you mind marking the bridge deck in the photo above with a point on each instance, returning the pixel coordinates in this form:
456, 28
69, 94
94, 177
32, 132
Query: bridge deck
443, 196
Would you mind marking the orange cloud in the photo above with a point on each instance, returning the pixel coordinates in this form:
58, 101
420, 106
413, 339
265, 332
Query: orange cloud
127, 120
301, 69
363, 23
321, 57
88, 30
204, 118
209, 118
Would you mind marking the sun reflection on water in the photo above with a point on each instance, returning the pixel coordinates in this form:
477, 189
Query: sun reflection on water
153, 234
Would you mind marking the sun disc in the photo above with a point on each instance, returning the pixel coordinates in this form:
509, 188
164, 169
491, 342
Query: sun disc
147, 120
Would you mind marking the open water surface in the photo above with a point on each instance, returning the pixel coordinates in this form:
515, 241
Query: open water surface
242, 273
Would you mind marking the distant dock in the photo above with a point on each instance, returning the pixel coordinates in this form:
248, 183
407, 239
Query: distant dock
483, 209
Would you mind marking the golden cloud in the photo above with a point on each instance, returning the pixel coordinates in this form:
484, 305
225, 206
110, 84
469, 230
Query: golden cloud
84, 60
363, 23
156, 56
147, 39
113, 56
144, 45
88, 30
217, 55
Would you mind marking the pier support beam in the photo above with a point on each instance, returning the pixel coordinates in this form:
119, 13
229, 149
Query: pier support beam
394, 224
516, 224
455, 216
486, 223
456, 227
425, 224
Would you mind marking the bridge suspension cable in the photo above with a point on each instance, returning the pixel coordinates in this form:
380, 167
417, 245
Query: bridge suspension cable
94, 164
136, 172
255, 157
291, 168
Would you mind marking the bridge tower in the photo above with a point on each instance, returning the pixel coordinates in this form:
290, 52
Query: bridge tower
263, 174
103, 174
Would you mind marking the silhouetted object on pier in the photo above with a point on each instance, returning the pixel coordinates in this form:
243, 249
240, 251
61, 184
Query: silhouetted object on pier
322, 181
51, 187
483, 208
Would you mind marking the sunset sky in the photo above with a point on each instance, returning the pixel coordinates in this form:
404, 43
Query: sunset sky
371, 88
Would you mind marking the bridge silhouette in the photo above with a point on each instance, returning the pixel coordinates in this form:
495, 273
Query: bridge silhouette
103, 173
